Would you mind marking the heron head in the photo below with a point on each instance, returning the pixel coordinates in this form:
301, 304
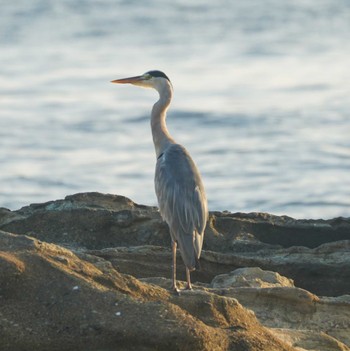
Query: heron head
150, 79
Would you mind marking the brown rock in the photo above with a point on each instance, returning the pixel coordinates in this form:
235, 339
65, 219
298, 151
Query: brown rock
286, 307
253, 277
106, 242
314, 253
58, 301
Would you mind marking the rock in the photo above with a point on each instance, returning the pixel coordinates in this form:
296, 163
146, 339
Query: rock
98, 250
308, 340
89, 220
324, 270
313, 253
253, 277
296, 309
57, 301
294, 315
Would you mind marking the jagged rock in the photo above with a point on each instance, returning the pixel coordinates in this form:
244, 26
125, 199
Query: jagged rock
297, 317
53, 300
296, 309
302, 250
112, 250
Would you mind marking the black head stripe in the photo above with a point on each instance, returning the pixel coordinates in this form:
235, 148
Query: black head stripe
158, 74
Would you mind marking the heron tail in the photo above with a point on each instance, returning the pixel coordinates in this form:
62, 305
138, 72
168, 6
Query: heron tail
190, 249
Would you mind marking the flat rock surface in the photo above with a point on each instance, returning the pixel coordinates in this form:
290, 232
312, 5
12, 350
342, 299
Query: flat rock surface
91, 272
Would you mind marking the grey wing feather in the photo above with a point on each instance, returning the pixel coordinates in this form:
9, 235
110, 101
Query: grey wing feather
182, 201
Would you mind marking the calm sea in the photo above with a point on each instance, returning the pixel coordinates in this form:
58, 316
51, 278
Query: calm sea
262, 100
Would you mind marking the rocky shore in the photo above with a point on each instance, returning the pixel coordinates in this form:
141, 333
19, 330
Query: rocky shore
91, 272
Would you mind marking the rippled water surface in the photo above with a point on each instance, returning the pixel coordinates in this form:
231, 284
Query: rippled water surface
261, 100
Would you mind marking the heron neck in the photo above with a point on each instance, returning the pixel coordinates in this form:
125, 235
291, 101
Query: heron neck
160, 133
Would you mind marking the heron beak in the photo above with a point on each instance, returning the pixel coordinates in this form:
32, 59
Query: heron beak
131, 80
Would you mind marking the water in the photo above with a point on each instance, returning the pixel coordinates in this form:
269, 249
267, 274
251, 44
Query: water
261, 100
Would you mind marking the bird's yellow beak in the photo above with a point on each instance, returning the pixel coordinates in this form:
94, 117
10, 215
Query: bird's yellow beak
131, 80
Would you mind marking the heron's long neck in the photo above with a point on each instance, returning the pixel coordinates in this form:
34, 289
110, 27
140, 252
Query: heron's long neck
160, 133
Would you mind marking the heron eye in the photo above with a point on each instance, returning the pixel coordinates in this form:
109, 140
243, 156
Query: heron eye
148, 76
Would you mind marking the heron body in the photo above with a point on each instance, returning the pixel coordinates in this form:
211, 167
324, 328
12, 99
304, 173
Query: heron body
178, 185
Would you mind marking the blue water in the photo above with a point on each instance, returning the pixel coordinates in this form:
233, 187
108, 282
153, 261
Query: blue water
261, 100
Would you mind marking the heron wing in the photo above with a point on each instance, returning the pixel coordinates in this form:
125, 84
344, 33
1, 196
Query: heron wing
182, 200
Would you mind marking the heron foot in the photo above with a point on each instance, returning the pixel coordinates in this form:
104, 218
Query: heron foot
175, 290
189, 287
188, 278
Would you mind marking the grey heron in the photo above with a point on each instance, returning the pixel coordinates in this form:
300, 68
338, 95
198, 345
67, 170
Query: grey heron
179, 188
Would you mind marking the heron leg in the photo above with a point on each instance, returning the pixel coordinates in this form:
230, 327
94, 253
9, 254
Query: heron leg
173, 247
188, 277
